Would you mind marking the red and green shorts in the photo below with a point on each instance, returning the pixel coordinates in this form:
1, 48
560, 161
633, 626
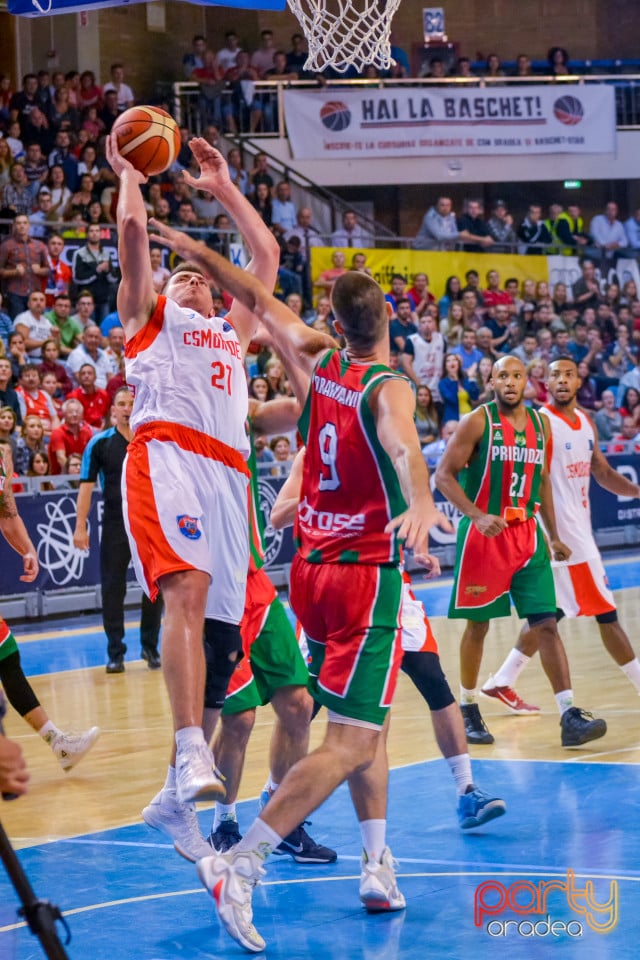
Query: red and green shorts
350, 614
272, 657
490, 569
8, 643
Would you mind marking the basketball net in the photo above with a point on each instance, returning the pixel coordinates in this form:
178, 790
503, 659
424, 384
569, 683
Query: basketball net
344, 33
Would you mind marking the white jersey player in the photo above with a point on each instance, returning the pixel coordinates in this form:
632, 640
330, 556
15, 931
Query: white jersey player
581, 582
423, 356
185, 486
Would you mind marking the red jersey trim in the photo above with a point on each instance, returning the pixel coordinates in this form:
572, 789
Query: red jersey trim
143, 339
192, 440
561, 416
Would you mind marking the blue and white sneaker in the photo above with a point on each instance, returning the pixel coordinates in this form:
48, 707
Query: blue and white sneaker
226, 835
303, 849
476, 808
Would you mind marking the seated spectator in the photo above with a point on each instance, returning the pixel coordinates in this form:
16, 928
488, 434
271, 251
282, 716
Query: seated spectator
283, 210
452, 292
463, 68
38, 466
8, 424
419, 294
523, 66
472, 315
402, 325
110, 111
8, 396
322, 319
297, 56
195, 58
632, 230
558, 60
34, 325
31, 440
160, 273
535, 392
608, 419
275, 376
17, 355
60, 192
71, 436
578, 346
560, 298
6, 159
281, 449
292, 266
397, 291
627, 440
483, 379
500, 227
260, 173
587, 395
468, 352
459, 393
16, 195
68, 329
439, 228
242, 111
94, 400
59, 276
608, 234
484, 337
620, 356
64, 115
227, 56
545, 345
453, 325
426, 415
82, 199
262, 58
260, 390
124, 93
90, 353
351, 234
472, 228
327, 278
497, 321
36, 169
62, 156
89, 93
51, 386
261, 200
262, 451
210, 76
34, 401
238, 174
528, 350
433, 452
630, 406
114, 349
534, 232
50, 364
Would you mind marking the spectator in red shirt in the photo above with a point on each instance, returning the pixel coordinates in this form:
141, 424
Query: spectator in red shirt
50, 364
33, 400
51, 386
420, 294
95, 401
71, 436
494, 295
59, 276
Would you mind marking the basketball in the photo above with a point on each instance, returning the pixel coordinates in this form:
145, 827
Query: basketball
149, 139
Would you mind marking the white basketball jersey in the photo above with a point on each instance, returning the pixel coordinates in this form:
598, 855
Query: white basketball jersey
187, 369
570, 453
428, 357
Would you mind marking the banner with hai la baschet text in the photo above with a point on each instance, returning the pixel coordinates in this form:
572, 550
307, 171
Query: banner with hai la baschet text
412, 122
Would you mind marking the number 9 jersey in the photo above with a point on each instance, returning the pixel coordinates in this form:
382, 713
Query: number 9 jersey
350, 490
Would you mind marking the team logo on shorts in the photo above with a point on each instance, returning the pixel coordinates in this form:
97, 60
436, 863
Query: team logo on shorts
188, 527
474, 590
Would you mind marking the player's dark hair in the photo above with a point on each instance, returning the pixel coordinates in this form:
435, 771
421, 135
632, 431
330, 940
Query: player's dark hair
359, 304
187, 266
566, 358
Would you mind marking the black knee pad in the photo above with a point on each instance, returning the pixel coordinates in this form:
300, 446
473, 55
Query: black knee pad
221, 641
16, 686
610, 617
425, 672
535, 619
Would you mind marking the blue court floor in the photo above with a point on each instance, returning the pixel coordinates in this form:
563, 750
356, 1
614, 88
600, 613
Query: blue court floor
568, 830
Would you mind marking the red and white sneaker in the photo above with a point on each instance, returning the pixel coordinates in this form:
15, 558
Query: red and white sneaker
509, 697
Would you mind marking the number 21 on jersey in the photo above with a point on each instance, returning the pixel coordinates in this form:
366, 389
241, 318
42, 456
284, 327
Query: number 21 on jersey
328, 440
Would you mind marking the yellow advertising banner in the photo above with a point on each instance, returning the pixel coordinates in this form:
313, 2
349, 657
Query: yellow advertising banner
438, 265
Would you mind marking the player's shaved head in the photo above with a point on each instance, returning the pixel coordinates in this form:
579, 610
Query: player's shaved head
508, 379
506, 362
361, 309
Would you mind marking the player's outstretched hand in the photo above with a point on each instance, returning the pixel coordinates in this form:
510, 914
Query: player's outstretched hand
214, 171
120, 164
14, 775
490, 525
30, 567
414, 524
184, 245
559, 550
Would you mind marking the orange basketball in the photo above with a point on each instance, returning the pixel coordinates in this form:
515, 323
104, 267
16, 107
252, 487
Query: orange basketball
149, 139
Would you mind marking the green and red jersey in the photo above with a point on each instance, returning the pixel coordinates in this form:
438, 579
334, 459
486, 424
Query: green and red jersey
350, 490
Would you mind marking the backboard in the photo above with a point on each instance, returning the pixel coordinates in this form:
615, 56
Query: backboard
39, 8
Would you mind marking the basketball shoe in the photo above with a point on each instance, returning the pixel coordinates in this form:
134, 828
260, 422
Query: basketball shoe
230, 879
579, 727
195, 774
378, 886
179, 822
474, 725
298, 844
476, 807
509, 697
225, 836
70, 748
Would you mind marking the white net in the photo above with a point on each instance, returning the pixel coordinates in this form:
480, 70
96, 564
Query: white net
341, 33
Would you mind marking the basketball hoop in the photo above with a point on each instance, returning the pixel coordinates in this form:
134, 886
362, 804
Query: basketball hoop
344, 33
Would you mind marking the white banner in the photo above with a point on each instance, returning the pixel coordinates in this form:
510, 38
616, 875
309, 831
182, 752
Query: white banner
410, 122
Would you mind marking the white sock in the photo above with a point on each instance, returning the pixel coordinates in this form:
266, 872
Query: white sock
48, 732
271, 785
632, 671
259, 837
467, 696
189, 735
511, 669
224, 811
460, 767
170, 782
564, 699
373, 834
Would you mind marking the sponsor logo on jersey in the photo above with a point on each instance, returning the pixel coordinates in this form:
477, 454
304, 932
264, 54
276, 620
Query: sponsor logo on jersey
567, 446
497, 435
578, 470
188, 527
590, 444
517, 454
520, 440
329, 522
226, 327
474, 590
